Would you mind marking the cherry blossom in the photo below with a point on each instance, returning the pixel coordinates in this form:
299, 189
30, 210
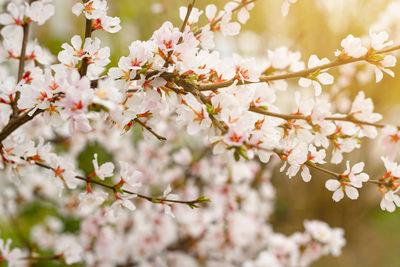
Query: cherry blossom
351, 179
318, 77
103, 171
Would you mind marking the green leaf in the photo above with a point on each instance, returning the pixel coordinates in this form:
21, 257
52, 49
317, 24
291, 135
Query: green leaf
202, 199
211, 110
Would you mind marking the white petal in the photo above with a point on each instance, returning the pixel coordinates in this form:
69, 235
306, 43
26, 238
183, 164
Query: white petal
305, 174
351, 192
378, 74
77, 9
357, 168
129, 205
243, 15
303, 82
338, 195
332, 184
317, 88
211, 11
325, 78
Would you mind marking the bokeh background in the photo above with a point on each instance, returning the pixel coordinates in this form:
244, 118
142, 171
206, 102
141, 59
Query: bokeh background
312, 27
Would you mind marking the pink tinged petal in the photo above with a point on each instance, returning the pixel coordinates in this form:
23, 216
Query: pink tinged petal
338, 195
107, 169
351, 192
325, 78
77, 9
305, 174
264, 156
6, 19
387, 204
317, 88
182, 12
167, 190
168, 211
388, 71
378, 74
76, 42
332, 184
129, 205
211, 11
230, 29
389, 61
357, 168
283, 167
115, 73
313, 61
303, 82
243, 15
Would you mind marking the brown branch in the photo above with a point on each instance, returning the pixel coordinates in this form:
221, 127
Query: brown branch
298, 74
158, 200
21, 68
159, 137
281, 154
44, 258
189, 11
16, 123
193, 89
88, 34
307, 118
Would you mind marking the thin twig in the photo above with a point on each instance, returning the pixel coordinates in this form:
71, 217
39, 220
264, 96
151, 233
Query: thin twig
307, 118
159, 137
282, 155
14, 124
189, 10
88, 34
161, 200
21, 67
302, 73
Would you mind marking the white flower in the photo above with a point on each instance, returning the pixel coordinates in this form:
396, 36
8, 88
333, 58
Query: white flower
92, 9
350, 179
339, 189
353, 47
167, 195
390, 200
90, 201
105, 170
12, 256
193, 17
129, 176
70, 248
390, 140
378, 40
194, 114
362, 109
40, 11
316, 78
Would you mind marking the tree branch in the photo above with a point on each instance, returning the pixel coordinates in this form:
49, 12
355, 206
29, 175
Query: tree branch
21, 67
159, 137
298, 74
158, 200
307, 118
88, 34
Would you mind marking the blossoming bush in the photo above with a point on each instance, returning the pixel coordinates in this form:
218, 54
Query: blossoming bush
190, 140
